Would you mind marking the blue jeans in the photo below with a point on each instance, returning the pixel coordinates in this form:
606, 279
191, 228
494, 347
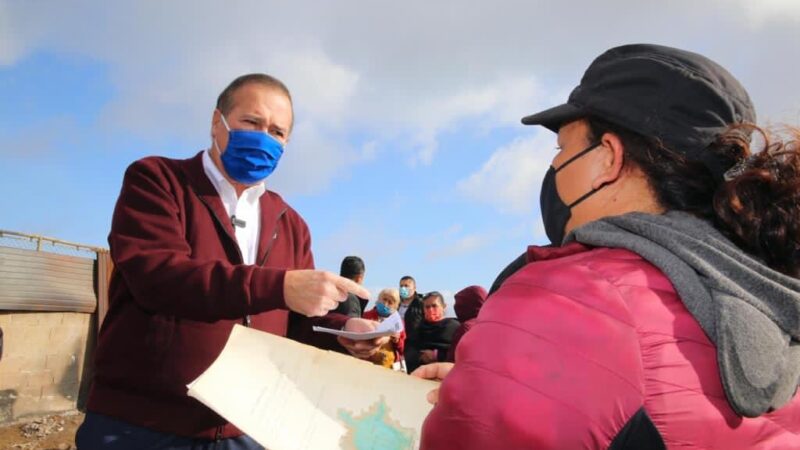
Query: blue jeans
105, 433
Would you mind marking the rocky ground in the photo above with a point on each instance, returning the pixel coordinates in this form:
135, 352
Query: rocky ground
55, 432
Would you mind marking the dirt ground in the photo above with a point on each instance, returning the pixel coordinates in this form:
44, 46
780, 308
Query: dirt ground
55, 432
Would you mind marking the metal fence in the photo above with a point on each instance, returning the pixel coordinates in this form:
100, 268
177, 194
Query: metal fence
40, 243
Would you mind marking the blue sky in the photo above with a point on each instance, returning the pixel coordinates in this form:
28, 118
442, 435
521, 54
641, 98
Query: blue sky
407, 148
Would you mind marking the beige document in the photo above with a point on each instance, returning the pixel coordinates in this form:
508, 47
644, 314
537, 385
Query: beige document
290, 396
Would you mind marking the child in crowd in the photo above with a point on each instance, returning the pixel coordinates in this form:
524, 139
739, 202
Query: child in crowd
391, 354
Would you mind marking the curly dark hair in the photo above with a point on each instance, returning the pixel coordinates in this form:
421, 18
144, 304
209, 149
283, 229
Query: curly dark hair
757, 205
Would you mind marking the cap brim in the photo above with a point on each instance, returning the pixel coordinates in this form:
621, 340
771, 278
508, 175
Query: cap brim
554, 117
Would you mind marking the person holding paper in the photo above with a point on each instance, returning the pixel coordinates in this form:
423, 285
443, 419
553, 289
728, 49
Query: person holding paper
391, 353
199, 245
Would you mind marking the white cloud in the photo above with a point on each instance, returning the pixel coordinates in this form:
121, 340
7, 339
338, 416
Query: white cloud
313, 158
369, 150
396, 72
30, 142
10, 47
321, 87
461, 246
499, 103
511, 179
765, 11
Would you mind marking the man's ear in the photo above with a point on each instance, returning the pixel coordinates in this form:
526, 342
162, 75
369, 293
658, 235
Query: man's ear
215, 121
613, 158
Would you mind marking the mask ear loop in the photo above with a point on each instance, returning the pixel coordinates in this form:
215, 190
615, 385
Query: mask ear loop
578, 155
569, 161
587, 195
225, 123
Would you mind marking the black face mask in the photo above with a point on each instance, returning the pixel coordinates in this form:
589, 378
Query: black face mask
556, 213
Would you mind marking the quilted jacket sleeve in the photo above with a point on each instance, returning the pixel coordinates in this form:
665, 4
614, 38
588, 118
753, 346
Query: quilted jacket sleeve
552, 362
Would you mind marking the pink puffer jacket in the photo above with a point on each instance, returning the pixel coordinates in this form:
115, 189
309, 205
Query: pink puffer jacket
577, 351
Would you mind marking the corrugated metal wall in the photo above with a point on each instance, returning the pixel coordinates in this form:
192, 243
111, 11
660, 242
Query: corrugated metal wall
42, 281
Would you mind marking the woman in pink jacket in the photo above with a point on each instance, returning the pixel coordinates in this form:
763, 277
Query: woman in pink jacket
667, 314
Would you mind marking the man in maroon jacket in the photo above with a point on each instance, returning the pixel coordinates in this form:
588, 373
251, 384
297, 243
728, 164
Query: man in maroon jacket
199, 245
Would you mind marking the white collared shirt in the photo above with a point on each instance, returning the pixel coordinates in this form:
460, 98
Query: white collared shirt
246, 208
403, 308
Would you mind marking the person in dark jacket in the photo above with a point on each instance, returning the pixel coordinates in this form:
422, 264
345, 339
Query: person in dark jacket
468, 303
198, 246
410, 304
666, 312
352, 268
410, 310
435, 333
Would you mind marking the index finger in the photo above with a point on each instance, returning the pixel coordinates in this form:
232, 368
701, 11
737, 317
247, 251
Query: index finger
347, 285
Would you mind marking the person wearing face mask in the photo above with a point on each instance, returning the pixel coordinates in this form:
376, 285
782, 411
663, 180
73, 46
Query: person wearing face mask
411, 311
199, 245
434, 335
391, 354
666, 312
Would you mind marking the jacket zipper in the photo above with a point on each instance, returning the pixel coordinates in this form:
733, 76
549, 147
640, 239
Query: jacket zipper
222, 224
266, 254
274, 236
246, 321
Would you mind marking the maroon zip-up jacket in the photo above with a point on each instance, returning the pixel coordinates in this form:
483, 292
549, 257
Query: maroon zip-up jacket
178, 287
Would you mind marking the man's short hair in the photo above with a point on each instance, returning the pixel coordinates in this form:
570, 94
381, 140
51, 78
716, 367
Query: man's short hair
408, 277
352, 266
225, 99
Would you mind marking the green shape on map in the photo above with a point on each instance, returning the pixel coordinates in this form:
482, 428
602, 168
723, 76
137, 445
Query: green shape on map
375, 431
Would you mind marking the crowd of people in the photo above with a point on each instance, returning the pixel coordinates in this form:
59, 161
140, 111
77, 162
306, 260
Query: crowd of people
428, 335
665, 313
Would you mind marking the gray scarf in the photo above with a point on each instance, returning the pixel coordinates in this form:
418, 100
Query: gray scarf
749, 311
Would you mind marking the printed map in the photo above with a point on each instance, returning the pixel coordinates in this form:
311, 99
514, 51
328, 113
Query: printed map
375, 430
289, 396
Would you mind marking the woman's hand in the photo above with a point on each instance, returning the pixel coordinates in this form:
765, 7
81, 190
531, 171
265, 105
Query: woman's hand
361, 349
437, 372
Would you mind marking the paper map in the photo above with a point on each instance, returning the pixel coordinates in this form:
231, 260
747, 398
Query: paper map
290, 396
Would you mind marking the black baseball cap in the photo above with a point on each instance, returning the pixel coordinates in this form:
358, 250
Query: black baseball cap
682, 98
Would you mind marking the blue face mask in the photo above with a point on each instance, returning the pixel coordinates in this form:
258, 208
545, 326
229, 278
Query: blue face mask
383, 310
250, 156
404, 293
